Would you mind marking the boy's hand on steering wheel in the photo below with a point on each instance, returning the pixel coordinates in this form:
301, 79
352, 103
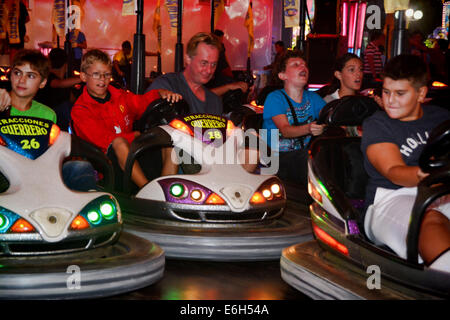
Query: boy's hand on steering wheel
5, 100
316, 129
169, 95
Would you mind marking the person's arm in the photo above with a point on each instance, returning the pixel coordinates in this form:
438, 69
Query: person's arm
289, 131
387, 160
5, 100
230, 86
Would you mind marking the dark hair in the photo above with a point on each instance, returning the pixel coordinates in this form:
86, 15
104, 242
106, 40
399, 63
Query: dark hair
126, 44
58, 58
280, 43
407, 67
218, 33
35, 59
339, 65
289, 54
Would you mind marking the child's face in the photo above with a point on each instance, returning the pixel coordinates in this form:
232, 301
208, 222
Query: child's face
401, 100
97, 78
25, 82
351, 75
296, 73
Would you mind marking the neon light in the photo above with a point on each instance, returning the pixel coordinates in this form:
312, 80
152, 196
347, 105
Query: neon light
180, 125
257, 198
214, 199
275, 188
54, 133
177, 190
344, 19
438, 84
79, 223
329, 240
94, 217
107, 210
22, 226
361, 19
3, 222
352, 25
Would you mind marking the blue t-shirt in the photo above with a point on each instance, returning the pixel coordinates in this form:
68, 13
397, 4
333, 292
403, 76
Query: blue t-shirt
307, 111
409, 136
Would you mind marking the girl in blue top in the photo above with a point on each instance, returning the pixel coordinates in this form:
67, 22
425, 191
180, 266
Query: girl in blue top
293, 111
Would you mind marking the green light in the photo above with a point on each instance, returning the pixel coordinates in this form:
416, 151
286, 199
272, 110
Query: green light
107, 210
177, 190
94, 217
3, 222
324, 189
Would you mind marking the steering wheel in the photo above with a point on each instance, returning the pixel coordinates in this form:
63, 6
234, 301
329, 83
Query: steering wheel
436, 153
161, 112
347, 111
233, 100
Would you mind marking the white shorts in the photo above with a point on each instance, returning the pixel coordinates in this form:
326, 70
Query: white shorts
387, 219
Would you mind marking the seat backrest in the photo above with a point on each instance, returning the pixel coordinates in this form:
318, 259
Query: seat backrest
341, 160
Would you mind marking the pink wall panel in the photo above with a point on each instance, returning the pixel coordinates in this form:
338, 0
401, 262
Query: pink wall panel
106, 28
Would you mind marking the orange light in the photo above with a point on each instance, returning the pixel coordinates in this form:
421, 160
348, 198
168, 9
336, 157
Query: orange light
230, 125
22, 226
76, 73
214, 198
2, 142
79, 223
438, 84
257, 198
54, 133
329, 240
180, 125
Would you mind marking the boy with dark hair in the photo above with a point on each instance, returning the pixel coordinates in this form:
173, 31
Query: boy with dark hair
103, 115
392, 142
29, 73
293, 111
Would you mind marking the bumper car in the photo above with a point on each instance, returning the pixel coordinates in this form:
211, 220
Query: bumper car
341, 263
213, 209
45, 227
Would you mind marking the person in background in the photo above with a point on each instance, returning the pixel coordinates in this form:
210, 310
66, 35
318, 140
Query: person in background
280, 51
57, 92
24, 18
78, 42
373, 63
347, 77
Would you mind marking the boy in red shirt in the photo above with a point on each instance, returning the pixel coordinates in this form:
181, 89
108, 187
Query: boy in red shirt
104, 115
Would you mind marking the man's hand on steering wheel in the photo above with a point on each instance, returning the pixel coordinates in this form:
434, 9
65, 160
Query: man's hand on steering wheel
169, 95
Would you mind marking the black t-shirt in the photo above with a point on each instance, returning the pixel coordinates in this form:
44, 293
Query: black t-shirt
409, 136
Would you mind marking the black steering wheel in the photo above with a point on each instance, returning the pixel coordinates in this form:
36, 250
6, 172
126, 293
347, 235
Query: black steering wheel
161, 112
436, 153
347, 111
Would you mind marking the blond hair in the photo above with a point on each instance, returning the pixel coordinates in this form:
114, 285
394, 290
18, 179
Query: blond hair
92, 56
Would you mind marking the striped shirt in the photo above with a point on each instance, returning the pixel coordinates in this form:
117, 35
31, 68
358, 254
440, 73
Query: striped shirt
372, 50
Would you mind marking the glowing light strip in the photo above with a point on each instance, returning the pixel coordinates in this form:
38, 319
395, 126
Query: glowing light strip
361, 19
344, 19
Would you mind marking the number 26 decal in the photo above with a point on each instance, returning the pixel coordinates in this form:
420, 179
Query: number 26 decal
30, 144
